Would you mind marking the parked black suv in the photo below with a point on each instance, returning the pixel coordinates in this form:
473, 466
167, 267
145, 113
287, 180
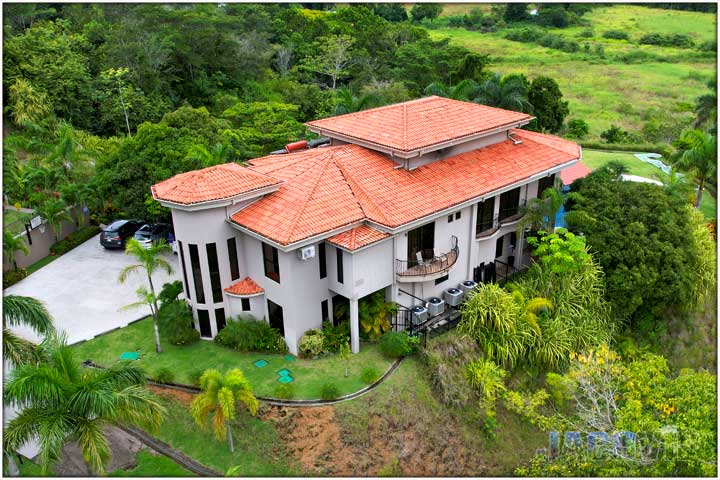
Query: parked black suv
116, 234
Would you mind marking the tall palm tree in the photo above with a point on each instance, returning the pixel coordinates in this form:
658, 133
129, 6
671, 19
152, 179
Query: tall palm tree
509, 92
697, 154
18, 310
61, 401
466, 90
13, 244
54, 211
539, 213
70, 194
346, 102
67, 152
219, 398
220, 153
150, 260
675, 183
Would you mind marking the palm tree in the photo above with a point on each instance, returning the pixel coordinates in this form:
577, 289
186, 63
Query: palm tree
219, 398
347, 103
55, 212
675, 183
509, 92
539, 213
70, 194
12, 244
67, 152
706, 107
468, 89
220, 153
150, 261
18, 310
697, 154
60, 401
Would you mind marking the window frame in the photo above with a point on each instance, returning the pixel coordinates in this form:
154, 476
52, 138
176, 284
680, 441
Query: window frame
214, 271
339, 265
233, 258
322, 258
196, 272
272, 264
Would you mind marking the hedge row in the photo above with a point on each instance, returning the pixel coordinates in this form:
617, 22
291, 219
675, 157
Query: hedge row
74, 239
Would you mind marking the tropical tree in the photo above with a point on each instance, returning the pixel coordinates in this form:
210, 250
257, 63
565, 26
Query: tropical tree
220, 153
346, 102
219, 399
54, 211
61, 401
467, 89
509, 92
151, 260
12, 244
697, 154
17, 311
539, 213
547, 104
706, 107
68, 152
27, 103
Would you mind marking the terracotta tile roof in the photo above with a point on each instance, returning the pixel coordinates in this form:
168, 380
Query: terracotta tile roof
246, 286
422, 123
570, 174
325, 189
358, 237
212, 183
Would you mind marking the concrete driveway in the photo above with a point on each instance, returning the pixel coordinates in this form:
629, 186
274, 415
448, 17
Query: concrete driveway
82, 293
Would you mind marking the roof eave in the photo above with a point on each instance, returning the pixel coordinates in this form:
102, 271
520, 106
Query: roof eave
220, 202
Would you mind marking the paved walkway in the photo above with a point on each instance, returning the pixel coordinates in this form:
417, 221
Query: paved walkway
82, 293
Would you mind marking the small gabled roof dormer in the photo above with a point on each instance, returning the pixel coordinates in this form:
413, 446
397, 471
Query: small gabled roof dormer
410, 129
214, 186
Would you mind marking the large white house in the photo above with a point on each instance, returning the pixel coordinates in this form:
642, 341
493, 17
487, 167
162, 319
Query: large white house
411, 199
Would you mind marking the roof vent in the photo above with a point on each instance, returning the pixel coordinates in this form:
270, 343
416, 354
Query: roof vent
516, 141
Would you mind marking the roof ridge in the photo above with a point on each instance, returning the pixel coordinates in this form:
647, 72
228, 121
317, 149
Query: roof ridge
382, 107
405, 127
356, 186
318, 177
536, 134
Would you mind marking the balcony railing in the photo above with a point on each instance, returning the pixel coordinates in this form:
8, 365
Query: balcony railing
431, 264
513, 213
487, 227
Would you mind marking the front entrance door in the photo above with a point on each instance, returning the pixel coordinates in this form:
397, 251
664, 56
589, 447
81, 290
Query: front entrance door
421, 239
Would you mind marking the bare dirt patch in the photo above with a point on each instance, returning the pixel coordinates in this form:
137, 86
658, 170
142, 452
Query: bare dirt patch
184, 397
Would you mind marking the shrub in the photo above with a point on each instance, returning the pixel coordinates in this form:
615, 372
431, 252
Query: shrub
578, 128
246, 334
615, 134
616, 35
335, 336
678, 40
14, 276
74, 239
170, 292
175, 324
311, 343
708, 46
369, 375
329, 391
446, 358
398, 344
164, 375
285, 391
587, 33
195, 376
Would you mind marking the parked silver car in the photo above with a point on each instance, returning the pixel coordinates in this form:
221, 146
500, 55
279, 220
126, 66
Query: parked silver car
150, 234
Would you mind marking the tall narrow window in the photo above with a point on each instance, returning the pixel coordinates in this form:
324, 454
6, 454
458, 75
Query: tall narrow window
197, 276
323, 262
324, 311
509, 203
214, 272
220, 318
499, 247
339, 264
270, 260
275, 316
182, 264
233, 258
485, 213
204, 321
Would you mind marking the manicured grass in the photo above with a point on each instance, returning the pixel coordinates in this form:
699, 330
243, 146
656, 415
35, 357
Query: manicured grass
597, 158
258, 449
607, 91
41, 263
148, 465
309, 375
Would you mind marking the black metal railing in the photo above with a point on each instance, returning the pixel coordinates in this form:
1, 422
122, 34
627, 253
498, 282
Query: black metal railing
431, 263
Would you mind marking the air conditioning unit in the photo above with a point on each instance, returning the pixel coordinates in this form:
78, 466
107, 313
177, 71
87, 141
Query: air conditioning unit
306, 253
435, 306
419, 314
467, 286
453, 296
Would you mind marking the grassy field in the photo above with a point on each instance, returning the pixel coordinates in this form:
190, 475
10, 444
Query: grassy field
595, 159
148, 465
605, 91
309, 375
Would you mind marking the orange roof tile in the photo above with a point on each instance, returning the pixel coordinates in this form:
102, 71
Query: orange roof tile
212, 183
418, 124
358, 237
246, 286
570, 174
325, 189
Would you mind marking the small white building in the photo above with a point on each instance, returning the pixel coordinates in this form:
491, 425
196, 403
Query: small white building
414, 197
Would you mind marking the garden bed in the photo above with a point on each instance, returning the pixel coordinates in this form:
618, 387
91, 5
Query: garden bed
309, 375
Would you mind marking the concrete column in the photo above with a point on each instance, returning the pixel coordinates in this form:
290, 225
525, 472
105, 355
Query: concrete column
354, 326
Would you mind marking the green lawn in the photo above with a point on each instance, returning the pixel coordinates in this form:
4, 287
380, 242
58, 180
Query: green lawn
148, 465
310, 375
597, 158
258, 449
608, 91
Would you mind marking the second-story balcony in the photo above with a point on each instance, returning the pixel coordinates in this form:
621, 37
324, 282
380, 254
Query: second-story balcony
427, 265
488, 226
